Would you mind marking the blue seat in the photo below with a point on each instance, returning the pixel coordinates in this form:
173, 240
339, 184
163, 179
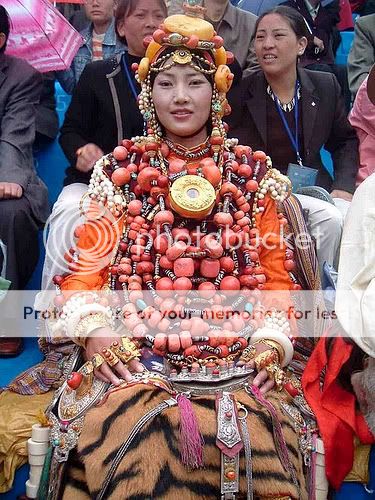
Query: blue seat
327, 161
344, 47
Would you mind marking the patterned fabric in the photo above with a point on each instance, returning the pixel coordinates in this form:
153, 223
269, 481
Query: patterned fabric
152, 467
97, 46
49, 373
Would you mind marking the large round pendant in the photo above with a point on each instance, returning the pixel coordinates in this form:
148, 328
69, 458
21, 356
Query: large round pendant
192, 196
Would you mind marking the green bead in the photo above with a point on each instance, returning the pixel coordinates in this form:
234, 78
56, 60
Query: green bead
56, 442
217, 107
147, 116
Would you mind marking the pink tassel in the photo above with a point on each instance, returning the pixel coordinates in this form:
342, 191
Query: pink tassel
278, 436
191, 440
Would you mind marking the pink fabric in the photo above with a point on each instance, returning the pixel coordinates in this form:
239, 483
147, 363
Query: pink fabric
362, 118
346, 19
41, 35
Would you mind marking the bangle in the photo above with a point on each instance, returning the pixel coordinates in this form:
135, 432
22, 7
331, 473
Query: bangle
87, 325
281, 338
272, 344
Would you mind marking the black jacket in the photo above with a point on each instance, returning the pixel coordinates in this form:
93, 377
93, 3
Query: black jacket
103, 111
324, 124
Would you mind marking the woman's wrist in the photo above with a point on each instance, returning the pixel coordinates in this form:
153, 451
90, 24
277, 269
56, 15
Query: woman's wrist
82, 314
268, 334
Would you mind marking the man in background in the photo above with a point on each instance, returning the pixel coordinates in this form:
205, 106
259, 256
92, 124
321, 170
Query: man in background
362, 53
23, 196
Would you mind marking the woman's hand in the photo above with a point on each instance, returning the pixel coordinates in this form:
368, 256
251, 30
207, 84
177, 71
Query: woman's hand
318, 43
262, 379
344, 195
87, 156
103, 338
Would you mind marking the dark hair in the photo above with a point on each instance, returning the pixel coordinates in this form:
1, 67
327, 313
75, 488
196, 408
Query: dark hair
125, 8
4, 26
292, 16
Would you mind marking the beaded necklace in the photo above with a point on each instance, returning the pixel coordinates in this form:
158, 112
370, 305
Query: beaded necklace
189, 154
285, 106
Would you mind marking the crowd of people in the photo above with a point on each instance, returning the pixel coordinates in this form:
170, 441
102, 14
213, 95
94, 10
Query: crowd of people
193, 142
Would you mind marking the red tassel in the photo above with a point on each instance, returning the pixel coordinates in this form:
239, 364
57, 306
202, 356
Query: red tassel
191, 440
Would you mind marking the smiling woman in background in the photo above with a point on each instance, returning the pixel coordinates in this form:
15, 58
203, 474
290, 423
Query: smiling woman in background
265, 112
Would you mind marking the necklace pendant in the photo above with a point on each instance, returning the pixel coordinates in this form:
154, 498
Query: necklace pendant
192, 196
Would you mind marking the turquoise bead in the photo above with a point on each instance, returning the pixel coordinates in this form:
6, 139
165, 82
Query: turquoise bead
249, 307
141, 304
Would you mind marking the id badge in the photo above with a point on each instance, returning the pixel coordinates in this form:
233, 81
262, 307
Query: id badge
301, 176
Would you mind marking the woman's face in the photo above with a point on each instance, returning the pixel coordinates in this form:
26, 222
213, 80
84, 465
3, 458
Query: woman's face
277, 46
143, 21
182, 100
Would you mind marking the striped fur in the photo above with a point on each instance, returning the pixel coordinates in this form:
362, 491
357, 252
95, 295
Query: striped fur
152, 468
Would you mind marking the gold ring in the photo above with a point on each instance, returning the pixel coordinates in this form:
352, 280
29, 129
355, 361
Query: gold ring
97, 360
127, 351
277, 374
110, 357
266, 358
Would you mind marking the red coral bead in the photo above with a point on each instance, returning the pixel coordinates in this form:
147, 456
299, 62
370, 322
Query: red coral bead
251, 186
120, 153
259, 156
164, 217
227, 264
230, 283
289, 265
210, 268
164, 284
245, 170
290, 389
74, 380
120, 176
183, 266
57, 279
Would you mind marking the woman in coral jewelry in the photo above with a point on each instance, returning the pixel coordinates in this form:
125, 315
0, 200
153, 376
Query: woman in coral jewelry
188, 388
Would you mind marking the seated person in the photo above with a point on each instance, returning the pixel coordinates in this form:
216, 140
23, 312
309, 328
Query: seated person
362, 118
322, 20
265, 111
180, 209
362, 53
23, 196
347, 354
100, 42
102, 110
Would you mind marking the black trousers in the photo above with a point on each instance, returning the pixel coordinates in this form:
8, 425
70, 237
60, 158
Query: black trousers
19, 232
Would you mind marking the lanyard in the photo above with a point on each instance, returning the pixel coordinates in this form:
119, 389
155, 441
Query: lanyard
293, 140
125, 68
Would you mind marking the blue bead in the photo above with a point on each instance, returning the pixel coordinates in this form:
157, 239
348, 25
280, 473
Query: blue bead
249, 307
141, 304
56, 442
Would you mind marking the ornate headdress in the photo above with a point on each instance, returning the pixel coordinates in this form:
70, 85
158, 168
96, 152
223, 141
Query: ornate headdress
186, 39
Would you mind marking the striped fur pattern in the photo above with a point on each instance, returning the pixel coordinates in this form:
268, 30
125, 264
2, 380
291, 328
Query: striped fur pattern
152, 468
